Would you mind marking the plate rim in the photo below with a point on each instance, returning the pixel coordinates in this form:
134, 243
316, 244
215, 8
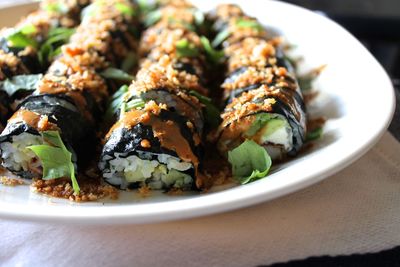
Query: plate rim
118, 214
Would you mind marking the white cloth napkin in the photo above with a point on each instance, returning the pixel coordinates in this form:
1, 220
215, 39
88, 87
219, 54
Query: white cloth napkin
354, 211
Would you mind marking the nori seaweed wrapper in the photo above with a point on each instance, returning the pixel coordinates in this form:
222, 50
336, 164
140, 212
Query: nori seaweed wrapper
127, 141
61, 112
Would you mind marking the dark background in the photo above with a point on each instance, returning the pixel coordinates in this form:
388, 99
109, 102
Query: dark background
376, 23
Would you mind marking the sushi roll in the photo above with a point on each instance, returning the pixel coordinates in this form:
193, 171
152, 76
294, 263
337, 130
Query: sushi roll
21, 50
71, 97
5, 108
263, 99
152, 146
157, 140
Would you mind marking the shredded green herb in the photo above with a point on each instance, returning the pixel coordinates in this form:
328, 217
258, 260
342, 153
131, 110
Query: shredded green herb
52, 46
220, 38
125, 9
21, 37
246, 23
212, 114
115, 103
134, 104
116, 74
213, 55
186, 49
56, 159
129, 62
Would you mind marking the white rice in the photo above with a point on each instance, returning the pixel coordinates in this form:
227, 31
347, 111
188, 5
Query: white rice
15, 154
165, 172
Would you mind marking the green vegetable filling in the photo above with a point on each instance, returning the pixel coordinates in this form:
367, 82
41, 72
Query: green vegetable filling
266, 122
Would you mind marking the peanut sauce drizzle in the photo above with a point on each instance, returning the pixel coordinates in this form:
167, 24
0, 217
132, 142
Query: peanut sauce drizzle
167, 132
33, 119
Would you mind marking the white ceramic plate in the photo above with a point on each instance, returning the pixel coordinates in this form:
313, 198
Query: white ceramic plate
356, 96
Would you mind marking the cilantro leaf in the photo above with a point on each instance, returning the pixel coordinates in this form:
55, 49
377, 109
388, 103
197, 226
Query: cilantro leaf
250, 162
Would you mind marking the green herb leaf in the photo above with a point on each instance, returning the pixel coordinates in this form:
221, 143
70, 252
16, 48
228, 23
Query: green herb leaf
213, 55
20, 37
52, 46
274, 122
314, 134
55, 158
57, 31
134, 104
116, 74
129, 62
152, 18
115, 103
55, 52
28, 29
186, 49
25, 82
249, 161
221, 37
258, 123
212, 114
125, 9
246, 23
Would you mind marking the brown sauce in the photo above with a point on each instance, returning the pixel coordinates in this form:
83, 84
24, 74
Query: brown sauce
34, 120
